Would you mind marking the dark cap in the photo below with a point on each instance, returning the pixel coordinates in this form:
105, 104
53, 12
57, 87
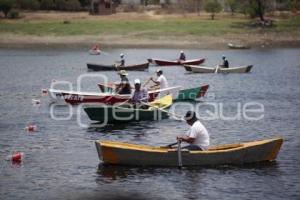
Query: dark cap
190, 115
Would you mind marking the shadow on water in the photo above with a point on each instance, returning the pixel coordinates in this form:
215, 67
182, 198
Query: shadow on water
109, 173
136, 126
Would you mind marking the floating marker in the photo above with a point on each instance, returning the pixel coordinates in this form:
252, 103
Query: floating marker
31, 128
17, 157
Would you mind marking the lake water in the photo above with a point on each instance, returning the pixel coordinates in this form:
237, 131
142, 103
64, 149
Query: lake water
60, 158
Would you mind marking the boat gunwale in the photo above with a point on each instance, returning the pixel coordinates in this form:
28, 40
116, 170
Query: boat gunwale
148, 148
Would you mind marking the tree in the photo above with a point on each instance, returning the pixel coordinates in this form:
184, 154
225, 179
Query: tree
73, 5
213, 7
60, 4
47, 4
29, 4
6, 6
294, 5
257, 8
232, 4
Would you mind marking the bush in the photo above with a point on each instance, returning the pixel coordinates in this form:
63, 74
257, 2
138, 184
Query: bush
29, 4
6, 6
13, 14
47, 4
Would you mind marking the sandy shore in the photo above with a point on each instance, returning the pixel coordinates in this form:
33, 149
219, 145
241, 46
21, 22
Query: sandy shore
129, 41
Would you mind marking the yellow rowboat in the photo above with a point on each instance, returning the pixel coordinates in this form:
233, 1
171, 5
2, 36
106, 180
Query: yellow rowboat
141, 155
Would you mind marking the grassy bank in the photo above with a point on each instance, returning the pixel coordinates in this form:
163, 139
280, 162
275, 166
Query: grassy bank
142, 27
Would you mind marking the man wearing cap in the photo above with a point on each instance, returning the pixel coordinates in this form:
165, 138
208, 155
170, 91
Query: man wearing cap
225, 62
161, 80
197, 136
139, 95
124, 86
182, 56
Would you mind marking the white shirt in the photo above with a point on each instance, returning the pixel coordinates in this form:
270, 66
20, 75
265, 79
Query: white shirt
199, 132
163, 83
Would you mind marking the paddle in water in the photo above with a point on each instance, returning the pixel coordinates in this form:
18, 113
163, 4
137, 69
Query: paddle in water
179, 154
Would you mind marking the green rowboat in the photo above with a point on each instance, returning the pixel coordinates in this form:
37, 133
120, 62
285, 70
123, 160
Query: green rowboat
124, 113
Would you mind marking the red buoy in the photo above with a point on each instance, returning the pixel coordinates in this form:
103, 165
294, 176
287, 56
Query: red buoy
30, 127
16, 157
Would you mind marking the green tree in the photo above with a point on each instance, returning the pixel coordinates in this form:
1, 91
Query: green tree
294, 5
47, 4
6, 6
29, 4
213, 7
73, 5
60, 4
257, 8
233, 5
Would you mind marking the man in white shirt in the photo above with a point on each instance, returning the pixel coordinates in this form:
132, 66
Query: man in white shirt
197, 136
161, 80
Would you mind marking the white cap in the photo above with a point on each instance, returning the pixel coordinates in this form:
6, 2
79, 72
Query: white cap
223, 56
159, 70
121, 55
181, 51
137, 81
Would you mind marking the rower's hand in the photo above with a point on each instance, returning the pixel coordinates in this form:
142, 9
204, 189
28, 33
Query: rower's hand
179, 138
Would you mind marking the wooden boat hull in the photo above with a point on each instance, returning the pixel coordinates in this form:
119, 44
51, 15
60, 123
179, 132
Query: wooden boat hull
192, 93
100, 67
176, 62
112, 114
94, 52
73, 97
237, 46
141, 155
202, 69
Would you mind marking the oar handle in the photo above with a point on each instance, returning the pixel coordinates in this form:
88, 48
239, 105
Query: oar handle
179, 154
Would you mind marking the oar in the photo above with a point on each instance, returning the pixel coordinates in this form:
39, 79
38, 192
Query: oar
178, 117
179, 154
169, 145
146, 83
217, 67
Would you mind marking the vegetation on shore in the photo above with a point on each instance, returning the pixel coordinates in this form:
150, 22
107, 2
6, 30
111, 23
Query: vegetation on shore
145, 27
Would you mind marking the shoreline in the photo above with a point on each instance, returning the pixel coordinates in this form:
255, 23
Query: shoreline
202, 42
269, 40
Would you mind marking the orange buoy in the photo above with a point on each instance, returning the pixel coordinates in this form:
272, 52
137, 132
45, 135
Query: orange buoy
16, 157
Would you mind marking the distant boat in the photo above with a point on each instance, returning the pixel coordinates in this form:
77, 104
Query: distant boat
237, 46
94, 51
203, 69
101, 67
175, 62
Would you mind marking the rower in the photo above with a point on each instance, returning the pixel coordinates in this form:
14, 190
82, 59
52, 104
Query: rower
122, 60
182, 56
197, 136
139, 96
225, 62
124, 86
161, 80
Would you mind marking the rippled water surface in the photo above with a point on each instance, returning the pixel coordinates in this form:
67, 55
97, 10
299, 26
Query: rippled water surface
61, 160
